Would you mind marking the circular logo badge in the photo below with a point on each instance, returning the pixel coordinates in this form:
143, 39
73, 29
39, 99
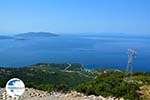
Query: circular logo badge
15, 87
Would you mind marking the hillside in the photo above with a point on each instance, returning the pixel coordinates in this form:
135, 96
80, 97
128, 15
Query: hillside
47, 77
72, 77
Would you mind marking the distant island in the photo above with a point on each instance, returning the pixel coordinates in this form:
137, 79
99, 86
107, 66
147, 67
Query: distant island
35, 34
6, 37
29, 35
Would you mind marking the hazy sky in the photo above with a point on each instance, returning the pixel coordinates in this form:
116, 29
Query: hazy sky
75, 16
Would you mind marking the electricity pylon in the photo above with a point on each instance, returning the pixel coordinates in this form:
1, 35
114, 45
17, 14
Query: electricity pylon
131, 56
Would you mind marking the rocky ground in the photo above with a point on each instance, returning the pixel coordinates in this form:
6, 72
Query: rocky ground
145, 92
33, 94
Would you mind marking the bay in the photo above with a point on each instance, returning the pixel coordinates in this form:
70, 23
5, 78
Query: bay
91, 51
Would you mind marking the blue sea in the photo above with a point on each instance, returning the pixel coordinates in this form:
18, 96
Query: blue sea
93, 51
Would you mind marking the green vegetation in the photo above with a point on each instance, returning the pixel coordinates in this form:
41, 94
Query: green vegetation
74, 66
110, 84
105, 82
47, 77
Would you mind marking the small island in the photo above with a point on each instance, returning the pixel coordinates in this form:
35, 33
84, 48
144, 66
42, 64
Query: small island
5, 37
35, 34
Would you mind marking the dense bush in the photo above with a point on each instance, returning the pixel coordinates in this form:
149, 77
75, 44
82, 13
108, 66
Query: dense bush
112, 84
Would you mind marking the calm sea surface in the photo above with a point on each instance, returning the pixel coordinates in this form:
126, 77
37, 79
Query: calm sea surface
92, 51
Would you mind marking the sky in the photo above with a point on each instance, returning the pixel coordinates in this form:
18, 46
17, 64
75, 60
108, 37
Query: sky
75, 16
